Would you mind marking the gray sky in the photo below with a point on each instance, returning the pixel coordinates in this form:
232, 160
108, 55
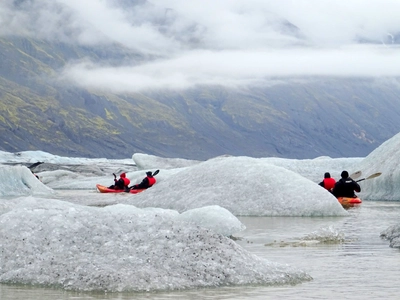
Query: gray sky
232, 43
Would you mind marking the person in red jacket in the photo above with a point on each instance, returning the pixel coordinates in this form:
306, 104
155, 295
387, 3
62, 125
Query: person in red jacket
147, 182
120, 184
328, 182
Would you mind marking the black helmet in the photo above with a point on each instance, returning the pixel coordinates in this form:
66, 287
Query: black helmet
327, 175
149, 173
344, 174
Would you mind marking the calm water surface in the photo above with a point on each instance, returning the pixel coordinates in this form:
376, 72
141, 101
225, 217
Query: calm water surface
361, 267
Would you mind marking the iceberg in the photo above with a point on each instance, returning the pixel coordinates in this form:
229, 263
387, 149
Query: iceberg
122, 248
244, 186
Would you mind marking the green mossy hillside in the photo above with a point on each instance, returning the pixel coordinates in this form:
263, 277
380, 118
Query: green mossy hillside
337, 117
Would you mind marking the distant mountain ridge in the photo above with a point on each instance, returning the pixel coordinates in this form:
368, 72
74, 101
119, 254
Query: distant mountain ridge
300, 119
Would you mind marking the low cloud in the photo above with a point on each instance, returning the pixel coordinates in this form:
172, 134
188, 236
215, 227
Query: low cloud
239, 68
203, 42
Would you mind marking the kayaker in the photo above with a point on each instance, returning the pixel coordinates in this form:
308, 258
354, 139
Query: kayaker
346, 186
328, 182
120, 184
33, 166
147, 182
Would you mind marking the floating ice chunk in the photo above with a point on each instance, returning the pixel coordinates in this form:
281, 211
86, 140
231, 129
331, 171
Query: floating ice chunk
326, 235
19, 180
215, 218
383, 159
123, 248
145, 161
244, 186
392, 234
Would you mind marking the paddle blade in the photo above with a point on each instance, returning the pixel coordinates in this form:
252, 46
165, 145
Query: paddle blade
374, 175
156, 172
370, 176
355, 175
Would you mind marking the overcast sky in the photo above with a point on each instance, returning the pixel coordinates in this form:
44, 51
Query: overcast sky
227, 42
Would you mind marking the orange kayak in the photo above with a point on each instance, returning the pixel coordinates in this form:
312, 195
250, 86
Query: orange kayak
349, 201
104, 189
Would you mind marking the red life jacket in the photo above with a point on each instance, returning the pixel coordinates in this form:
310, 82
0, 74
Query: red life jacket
151, 180
126, 181
329, 183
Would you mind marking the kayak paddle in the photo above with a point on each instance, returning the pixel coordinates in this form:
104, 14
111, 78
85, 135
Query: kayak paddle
370, 176
355, 175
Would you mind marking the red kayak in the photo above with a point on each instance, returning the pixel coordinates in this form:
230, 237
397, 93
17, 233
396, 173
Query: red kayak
349, 201
104, 189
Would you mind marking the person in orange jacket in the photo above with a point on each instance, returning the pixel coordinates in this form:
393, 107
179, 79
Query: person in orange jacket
120, 184
328, 182
147, 182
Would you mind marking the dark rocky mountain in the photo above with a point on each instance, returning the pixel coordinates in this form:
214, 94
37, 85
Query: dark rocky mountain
337, 117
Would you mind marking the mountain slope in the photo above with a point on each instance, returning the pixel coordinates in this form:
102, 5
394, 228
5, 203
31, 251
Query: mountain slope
296, 119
